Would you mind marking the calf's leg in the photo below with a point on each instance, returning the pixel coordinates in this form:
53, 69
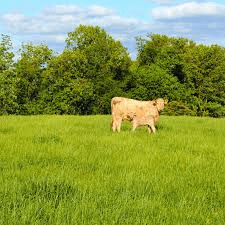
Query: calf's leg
134, 125
151, 126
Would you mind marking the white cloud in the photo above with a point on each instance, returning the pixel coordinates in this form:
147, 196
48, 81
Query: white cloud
62, 19
188, 10
74, 10
60, 38
198, 21
63, 9
14, 17
52, 25
100, 11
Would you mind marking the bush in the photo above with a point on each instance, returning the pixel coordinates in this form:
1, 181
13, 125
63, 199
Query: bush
176, 108
214, 110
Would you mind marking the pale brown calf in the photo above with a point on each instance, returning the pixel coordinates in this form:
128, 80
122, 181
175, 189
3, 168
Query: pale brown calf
144, 120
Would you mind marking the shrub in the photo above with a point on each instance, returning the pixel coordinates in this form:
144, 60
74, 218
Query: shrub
176, 108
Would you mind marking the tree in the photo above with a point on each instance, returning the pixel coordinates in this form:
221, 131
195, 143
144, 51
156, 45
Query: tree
151, 82
107, 63
166, 52
8, 93
198, 67
204, 71
29, 68
8, 80
65, 88
6, 56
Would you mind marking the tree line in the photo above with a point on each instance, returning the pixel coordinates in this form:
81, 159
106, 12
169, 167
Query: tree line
94, 67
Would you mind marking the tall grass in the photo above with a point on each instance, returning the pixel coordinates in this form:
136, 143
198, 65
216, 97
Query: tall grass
74, 170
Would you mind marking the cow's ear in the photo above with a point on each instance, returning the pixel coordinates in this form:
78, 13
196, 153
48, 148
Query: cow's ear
155, 102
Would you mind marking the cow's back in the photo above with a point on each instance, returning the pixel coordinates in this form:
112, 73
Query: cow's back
127, 108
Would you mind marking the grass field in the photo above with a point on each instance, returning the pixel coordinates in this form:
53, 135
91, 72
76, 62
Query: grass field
58, 170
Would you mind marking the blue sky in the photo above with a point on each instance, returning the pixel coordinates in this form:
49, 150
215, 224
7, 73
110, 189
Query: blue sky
49, 21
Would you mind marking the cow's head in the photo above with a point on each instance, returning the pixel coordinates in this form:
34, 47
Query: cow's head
159, 103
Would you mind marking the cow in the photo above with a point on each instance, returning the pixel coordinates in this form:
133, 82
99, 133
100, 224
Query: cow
136, 112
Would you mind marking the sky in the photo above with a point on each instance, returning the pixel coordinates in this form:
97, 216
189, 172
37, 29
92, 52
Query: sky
50, 21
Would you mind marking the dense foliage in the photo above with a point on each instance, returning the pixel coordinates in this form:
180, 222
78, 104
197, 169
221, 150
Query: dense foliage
94, 67
198, 69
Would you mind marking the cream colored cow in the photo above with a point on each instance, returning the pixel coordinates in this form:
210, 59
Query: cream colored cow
135, 112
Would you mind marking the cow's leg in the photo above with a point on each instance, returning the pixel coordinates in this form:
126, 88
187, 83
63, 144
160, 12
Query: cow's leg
114, 124
119, 121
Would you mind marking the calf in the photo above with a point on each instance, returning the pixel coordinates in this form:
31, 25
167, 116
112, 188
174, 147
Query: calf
144, 120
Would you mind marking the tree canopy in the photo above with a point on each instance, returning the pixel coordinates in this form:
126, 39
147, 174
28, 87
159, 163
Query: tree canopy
94, 67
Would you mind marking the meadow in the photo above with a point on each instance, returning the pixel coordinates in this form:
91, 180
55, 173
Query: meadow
57, 170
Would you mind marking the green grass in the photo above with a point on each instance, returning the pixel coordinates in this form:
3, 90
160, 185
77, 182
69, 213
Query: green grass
58, 170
